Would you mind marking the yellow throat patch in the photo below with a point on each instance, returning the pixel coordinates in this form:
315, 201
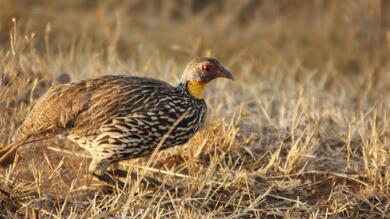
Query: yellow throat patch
196, 89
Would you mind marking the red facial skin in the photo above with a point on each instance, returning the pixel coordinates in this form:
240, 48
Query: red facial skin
212, 71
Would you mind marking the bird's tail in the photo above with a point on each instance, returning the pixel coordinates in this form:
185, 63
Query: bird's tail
7, 154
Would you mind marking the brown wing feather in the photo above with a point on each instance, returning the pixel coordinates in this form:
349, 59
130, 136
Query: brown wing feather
82, 107
55, 110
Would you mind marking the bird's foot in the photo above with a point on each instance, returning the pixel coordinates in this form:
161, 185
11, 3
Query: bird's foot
145, 179
110, 180
110, 177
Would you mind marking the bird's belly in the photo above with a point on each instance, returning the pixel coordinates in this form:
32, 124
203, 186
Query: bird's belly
145, 147
125, 138
85, 142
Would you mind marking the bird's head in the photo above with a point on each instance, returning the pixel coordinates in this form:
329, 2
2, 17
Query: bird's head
201, 71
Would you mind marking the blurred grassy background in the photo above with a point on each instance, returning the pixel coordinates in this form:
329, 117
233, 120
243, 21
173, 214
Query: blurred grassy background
302, 133
349, 34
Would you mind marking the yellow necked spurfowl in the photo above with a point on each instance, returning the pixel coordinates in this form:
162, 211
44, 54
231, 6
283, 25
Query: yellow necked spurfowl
121, 117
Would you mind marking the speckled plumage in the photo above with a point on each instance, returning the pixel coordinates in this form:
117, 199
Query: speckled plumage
120, 117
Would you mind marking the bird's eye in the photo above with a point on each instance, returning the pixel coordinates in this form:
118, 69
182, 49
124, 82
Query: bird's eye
206, 67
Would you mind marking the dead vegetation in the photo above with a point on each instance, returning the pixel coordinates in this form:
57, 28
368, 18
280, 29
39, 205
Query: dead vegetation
302, 133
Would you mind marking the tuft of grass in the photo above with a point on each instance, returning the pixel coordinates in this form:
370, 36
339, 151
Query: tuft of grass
303, 132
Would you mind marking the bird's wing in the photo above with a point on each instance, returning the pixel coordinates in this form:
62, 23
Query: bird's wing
56, 110
120, 97
83, 107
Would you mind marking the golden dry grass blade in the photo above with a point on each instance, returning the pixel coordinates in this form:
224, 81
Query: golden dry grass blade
303, 132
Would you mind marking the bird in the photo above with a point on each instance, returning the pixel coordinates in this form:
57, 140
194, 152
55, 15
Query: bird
120, 117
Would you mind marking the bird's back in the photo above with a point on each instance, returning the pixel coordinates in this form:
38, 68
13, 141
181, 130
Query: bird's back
118, 96
82, 108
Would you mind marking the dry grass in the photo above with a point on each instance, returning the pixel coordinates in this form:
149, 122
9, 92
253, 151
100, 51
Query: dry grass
302, 133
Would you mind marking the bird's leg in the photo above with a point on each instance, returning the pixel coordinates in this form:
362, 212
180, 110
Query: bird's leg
98, 169
109, 179
116, 172
155, 182
114, 168
146, 179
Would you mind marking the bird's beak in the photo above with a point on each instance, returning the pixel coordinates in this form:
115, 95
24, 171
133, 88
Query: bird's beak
223, 73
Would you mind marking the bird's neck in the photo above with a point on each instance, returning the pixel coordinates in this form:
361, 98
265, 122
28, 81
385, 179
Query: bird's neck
195, 89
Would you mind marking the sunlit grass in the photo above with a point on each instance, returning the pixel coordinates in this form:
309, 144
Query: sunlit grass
302, 132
